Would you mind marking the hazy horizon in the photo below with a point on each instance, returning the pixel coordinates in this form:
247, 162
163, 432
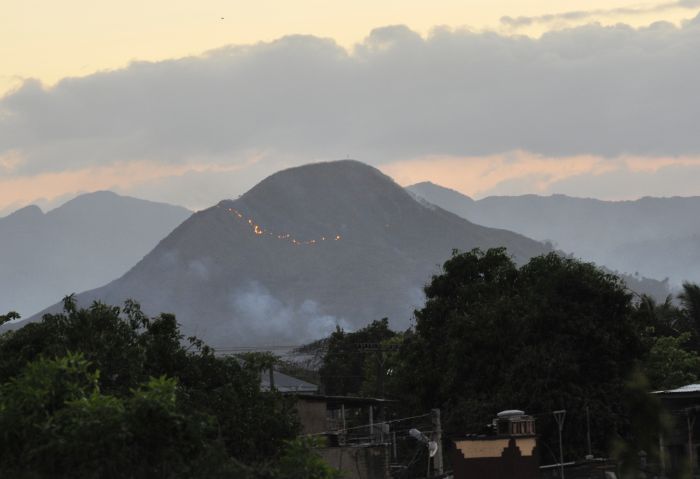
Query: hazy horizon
47, 206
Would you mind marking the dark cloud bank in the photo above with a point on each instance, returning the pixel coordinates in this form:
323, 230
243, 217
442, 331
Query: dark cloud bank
589, 90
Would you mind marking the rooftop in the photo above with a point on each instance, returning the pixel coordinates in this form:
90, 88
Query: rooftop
688, 389
285, 383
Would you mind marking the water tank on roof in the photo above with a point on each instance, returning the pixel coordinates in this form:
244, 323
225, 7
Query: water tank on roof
510, 413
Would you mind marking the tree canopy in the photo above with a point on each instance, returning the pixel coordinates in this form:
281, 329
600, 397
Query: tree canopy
109, 392
553, 334
347, 358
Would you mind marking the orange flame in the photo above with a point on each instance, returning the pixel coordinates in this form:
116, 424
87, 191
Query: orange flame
259, 231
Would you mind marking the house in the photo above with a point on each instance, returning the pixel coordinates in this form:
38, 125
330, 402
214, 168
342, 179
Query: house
681, 447
353, 438
508, 451
272, 379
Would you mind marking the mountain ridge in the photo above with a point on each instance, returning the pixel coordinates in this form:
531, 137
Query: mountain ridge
88, 240
629, 235
307, 249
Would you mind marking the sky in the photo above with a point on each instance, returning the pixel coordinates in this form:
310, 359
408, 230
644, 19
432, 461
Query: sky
193, 102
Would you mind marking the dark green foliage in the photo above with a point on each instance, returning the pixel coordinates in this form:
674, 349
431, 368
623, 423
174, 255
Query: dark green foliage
554, 334
669, 364
4, 318
646, 420
343, 369
57, 423
659, 319
672, 339
106, 392
300, 461
690, 302
379, 370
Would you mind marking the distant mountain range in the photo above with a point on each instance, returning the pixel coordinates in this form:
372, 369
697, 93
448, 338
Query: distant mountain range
305, 250
315, 247
653, 237
88, 241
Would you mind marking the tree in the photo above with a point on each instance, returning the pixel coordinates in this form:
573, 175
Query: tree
554, 334
12, 315
671, 340
149, 403
690, 305
657, 320
647, 419
379, 368
57, 423
670, 365
299, 460
343, 368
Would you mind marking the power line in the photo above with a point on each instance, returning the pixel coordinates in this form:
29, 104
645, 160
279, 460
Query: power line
295, 350
368, 425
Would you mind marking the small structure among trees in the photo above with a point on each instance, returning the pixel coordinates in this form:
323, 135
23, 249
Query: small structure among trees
507, 451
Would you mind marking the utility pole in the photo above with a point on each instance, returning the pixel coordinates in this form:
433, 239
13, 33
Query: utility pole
691, 423
437, 427
588, 431
371, 424
381, 376
662, 454
560, 416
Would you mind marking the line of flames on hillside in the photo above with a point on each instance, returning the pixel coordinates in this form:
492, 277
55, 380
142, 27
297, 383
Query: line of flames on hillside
260, 231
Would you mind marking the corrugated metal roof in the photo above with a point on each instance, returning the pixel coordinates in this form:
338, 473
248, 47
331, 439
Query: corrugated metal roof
285, 383
688, 388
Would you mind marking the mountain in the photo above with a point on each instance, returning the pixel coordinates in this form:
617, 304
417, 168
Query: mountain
86, 242
305, 250
652, 237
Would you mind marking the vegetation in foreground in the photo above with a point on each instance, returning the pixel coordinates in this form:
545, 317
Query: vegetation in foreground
106, 392
109, 392
553, 334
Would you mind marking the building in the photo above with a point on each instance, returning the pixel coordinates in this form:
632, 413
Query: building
508, 451
271, 379
353, 441
681, 446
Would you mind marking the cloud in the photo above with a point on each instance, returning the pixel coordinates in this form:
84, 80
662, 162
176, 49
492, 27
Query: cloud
581, 15
672, 179
140, 178
587, 92
480, 176
520, 172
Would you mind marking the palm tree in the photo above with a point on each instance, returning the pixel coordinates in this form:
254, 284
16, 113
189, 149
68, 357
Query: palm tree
665, 318
690, 303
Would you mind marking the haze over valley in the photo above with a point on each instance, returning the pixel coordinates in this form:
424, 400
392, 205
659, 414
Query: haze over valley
651, 237
87, 241
306, 250
288, 261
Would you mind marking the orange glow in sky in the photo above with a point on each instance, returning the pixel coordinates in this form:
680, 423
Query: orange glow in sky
49, 40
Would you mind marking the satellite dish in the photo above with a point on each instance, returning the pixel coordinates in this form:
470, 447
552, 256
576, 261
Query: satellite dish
418, 436
432, 448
